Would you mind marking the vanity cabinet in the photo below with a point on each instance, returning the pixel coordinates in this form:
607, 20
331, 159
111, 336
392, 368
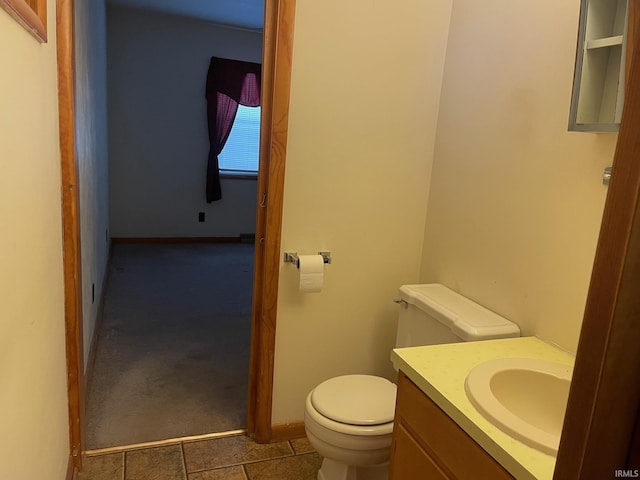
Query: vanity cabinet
599, 78
427, 444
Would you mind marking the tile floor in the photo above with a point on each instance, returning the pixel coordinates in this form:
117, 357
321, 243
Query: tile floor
227, 458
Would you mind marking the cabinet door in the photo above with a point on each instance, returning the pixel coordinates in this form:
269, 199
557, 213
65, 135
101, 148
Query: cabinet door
448, 446
410, 461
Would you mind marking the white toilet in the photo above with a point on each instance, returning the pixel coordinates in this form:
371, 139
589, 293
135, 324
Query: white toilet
349, 419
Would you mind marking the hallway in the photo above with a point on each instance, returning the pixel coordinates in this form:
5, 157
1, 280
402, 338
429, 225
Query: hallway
172, 354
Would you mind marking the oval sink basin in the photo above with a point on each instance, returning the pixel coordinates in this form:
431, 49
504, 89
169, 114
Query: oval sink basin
524, 397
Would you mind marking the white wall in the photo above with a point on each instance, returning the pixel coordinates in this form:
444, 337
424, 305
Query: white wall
158, 144
364, 102
92, 156
34, 439
516, 200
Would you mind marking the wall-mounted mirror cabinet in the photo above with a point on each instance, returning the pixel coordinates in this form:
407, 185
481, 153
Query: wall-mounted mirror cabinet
598, 85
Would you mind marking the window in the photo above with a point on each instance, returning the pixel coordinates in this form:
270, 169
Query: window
31, 14
231, 86
240, 154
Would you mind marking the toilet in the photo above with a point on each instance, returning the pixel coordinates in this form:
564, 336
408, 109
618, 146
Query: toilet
349, 419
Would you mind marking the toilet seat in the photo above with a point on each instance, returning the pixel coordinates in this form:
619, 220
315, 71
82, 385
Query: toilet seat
319, 423
361, 400
345, 398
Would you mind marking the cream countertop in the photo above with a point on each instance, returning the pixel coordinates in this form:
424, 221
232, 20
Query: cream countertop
440, 372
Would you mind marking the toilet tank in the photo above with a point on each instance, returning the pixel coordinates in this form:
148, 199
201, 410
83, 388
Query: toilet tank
432, 314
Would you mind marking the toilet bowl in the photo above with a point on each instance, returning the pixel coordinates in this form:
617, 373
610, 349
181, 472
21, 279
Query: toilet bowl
349, 419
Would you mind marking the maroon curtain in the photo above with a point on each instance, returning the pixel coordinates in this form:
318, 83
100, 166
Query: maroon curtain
229, 83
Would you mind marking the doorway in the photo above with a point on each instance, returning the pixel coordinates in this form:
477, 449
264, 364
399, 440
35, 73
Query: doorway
175, 329
278, 35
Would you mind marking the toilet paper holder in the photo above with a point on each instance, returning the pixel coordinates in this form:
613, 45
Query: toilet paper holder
292, 257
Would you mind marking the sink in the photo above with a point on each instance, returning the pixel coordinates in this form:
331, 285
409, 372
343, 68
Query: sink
524, 397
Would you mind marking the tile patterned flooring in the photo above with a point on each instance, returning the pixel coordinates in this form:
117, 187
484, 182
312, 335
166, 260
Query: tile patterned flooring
227, 458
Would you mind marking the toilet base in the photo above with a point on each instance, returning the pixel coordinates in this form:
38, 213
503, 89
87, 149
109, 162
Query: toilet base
332, 470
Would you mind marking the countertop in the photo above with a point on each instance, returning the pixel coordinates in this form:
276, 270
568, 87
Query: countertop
440, 372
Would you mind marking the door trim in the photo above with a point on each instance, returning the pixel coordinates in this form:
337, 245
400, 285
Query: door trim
276, 86
70, 227
277, 56
604, 399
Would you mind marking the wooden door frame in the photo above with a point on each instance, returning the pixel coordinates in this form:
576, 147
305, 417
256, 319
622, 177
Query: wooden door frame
604, 402
277, 56
276, 86
72, 265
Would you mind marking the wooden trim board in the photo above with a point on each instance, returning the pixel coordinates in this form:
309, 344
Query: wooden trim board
31, 15
276, 86
71, 227
287, 431
160, 443
605, 393
633, 461
633, 25
72, 471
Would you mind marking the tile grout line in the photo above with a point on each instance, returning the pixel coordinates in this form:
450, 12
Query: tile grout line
184, 461
242, 464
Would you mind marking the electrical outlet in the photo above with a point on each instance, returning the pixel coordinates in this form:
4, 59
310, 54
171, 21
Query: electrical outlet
201, 216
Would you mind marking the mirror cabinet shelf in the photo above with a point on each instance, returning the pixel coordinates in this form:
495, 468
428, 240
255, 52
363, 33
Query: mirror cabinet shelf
598, 89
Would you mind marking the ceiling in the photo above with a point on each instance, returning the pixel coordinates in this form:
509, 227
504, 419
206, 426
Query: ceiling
237, 13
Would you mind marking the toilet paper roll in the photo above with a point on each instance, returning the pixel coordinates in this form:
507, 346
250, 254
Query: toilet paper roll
311, 268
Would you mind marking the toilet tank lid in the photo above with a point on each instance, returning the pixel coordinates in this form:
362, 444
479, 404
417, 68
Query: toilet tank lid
463, 316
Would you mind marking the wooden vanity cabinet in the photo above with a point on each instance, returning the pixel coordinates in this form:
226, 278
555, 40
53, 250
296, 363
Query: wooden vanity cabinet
428, 445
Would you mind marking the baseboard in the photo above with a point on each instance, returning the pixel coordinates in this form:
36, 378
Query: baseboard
176, 239
72, 471
287, 431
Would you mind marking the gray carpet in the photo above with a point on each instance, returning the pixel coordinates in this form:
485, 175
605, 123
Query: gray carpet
172, 357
